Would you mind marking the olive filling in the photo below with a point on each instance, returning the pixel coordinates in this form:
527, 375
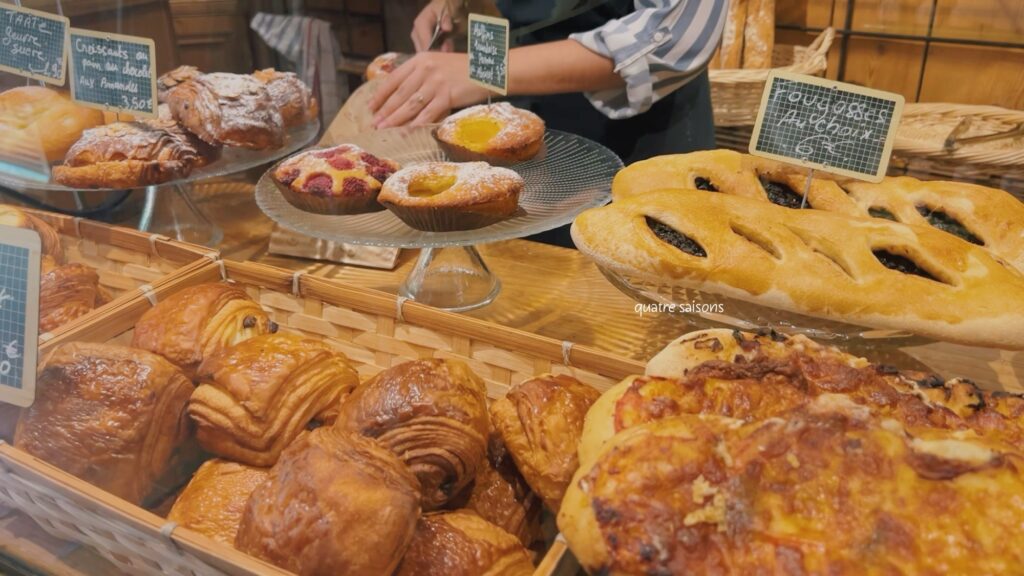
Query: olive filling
901, 264
704, 184
783, 195
678, 240
947, 223
877, 212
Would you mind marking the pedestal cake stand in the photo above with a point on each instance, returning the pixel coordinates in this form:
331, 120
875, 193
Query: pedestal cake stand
570, 175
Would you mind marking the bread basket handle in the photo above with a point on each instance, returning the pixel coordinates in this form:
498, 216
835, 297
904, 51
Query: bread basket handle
819, 48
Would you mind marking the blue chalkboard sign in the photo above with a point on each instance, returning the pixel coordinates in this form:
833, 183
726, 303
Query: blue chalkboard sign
113, 72
488, 52
19, 314
827, 125
33, 43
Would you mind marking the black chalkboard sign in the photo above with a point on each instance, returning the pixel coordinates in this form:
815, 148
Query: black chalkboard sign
33, 43
113, 72
488, 52
827, 125
19, 314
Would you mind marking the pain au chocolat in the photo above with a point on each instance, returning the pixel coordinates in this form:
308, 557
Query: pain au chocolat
113, 416
335, 503
810, 491
432, 414
460, 543
864, 271
213, 502
256, 397
67, 292
540, 422
977, 214
194, 323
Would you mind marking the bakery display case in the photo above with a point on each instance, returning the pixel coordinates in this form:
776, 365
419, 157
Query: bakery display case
677, 394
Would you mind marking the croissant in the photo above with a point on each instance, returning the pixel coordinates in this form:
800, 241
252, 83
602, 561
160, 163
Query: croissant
290, 95
48, 237
228, 109
67, 292
213, 502
113, 416
199, 321
255, 398
461, 543
541, 421
500, 495
335, 503
433, 414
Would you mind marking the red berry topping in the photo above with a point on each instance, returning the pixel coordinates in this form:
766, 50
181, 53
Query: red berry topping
354, 187
339, 162
287, 175
319, 184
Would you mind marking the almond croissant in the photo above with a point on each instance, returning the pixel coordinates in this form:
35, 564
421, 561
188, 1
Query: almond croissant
433, 415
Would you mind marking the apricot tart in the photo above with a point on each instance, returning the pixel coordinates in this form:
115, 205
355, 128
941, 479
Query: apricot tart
340, 180
498, 133
443, 196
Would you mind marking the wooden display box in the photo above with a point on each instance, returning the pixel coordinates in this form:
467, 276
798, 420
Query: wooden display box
376, 330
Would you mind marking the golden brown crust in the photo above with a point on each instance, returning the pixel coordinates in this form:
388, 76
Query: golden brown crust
172, 79
197, 322
500, 495
540, 421
228, 109
256, 397
511, 134
43, 120
730, 53
291, 96
803, 493
113, 416
975, 213
67, 292
442, 196
335, 503
461, 543
48, 236
432, 414
864, 271
759, 34
213, 502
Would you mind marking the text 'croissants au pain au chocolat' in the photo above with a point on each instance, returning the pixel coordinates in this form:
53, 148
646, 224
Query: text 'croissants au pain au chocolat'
199, 321
257, 396
433, 415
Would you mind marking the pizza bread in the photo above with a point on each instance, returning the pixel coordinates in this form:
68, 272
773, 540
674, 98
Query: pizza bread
985, 216
864, 271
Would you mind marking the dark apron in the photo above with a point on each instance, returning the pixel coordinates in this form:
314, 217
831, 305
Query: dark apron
680, 122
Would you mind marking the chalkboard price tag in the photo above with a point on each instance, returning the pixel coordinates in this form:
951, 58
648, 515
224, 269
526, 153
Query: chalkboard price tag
20, 254
34, 44
488, 52
827, 125
113, 72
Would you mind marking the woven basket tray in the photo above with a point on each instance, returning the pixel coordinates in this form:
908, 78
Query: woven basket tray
124, 259
925, 127
376, 330
736, 94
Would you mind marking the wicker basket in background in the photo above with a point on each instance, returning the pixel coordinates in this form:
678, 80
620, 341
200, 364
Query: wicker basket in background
376, 330
736, 94
926, 126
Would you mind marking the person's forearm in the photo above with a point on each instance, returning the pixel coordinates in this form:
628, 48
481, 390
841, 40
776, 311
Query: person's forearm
559, 67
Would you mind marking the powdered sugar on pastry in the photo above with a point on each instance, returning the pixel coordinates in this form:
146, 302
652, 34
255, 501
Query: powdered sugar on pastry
475, 181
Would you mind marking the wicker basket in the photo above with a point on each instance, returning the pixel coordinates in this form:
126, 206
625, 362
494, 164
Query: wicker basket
736, 94
376, 330
124, 259
925, 127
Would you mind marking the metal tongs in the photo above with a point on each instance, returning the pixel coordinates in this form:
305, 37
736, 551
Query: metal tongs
437, 28
954, 141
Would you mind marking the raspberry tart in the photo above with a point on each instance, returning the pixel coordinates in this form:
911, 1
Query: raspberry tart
341, 180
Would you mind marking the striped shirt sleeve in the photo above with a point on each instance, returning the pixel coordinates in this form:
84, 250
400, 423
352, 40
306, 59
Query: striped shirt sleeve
656, 49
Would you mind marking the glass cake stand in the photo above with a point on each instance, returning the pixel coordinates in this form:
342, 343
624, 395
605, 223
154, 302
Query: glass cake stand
704, 310
570, 175
174, 209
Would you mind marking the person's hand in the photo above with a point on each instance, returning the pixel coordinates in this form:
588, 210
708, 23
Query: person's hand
424, 90
426, 21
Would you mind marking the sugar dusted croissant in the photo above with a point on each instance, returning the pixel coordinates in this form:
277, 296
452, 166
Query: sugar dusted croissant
213, 502
433, 414
197, 322
461, 543
540, 422
67, 292
113, 416
257, 396
335, 503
